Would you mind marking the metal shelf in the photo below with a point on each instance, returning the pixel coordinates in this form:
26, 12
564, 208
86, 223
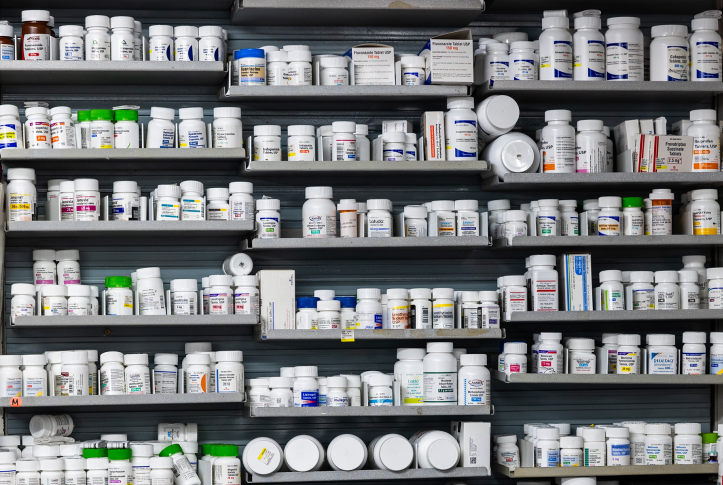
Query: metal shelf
368, 475
135, 321
597, 241
370, 411
366, 13
619, 92
132, 158
614, 316
128, 229
600, 182
631, 379
463, 242
255, 167
618, 7
118, 403
132, 5
606, 471
426, 334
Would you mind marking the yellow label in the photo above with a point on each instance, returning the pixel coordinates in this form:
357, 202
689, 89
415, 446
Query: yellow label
7, 135
292, 154
442, 305
20, 206
347, 335
544, 65
705, 232
127, 305
106, 146
262, 453
183, 145
626, 369
413, 400
577, 64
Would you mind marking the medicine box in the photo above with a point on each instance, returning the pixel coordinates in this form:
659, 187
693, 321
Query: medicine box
665, 153
575, 275
625, 134
474, 443
403, 126
433, 134
450, 58
277, 290
371, 64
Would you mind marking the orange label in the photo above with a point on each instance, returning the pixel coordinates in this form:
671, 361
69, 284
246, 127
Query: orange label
705, 166
40, 137
203, 383
701, 152
661, 202
705, 232
548, 166
16, 402
56, 139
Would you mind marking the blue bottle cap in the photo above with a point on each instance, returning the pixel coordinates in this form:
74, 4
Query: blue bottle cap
347, 301
239, 54
306, 302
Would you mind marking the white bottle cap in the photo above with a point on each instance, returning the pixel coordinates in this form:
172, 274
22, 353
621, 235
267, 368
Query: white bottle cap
380, 380
185, 31
657, 428
473, 359
500, 204
442, 205
550, 336
306, 371
144, 273
277, 56
162, 113
592, 435
141, 449
101, 463
460, 102
125, 186
488, 296
687, 428
343, 126
660, 339
694, 337
325, 294
635, 21
266, 448
515, 348
666, 276
281, 382
267, 130
558, 114
617, 432
642, 276
420, 294
220, 280
227, 111
514, 280
192, 347
688, 275
668, 30
198, 359
611, 275
60, 110
411, 354
346, 453
28, 464
413, 61
22, 289
445, 347
328, 305
319, 192
78, 290
210, 31
555, 22
67, 255
613, 202
361, 129
190, 113
106, 357
443, 293
85, 184
628, 339
415, 212
587, 23
300, 130
466, 205
135, 359
43, 255
373, 293
661, 194
217, 193
703, 115
122, 23
379, 204
519, 45
268, 204
96, 21
590, 125
394, 137
299, 56
470, 296
581, 344
54, 290
164, 359
501, 48
73, 358
714, 273
12, 110
36, 16
704, 24
501, 111
398, 294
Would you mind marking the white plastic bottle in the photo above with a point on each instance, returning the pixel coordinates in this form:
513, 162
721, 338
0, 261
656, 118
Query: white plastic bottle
409, 372
624, 49
227, 127
443, 308
137, 374
161, 43
548, 219
122, 42
555, 50
161, 130
550, 359
716, 353
343, 141
667, 291
706, 140
658, 444
669, 58
198, 374
474, 380
628, 354
319, 213
112, 374
705, 50
496, 115
662, 354
97, 40
591, 147
151, 295
467, 217
558, 142
186, 45
192, 130
588, 50
497, 65
610, 217
241, 200
210, 45
306, 387
218, 207
612, 294
693, 355
165, 373
460, 128
440, 375
71, 45
570, 221
523, 61
379, 218
689, 289
268, 219
543, 283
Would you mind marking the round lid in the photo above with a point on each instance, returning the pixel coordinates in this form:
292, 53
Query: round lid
624, 21
135, 359
632, 201
394, 137
346, 301
687, 428
96, 453
642, 276
97, 21
276, 56
325, 294
694, 337
268, 204
43, 255
379, 204
549, 202
162, 113
28, 359
361, 129
443, 293
510, 438
496, 205
198, 359
522, 45
628, 339
45, 451
36, 16
300, 130
336, 381
249, 53
668, 30
185, 31
515, 348
500, 48
515, 280
167, 451
542, 260
229, 356
397, 294
591, 434
262, 456
613, 202
101, 115
328, 305
488, 296
635, 427
123, 453
85, 184
704, 24
657, 428
442, 205
413, 61
267, 130
590, 125
555, 23
319, 192
443, 454
165, 359
711, 194
78, 290
347, 205
125, 186
67, 186
60, 110
703, 115
241, 187
343, 127
571, 441
298, 56
373, 293
611, 275
712, 273
306, 302
204, 285
396, 453
460, 102
160, 30
660, 339
617, 432
473, 359
420, 294
445, 347
38, 110
144, 273
14, 440
110, 357
12, 110
415, 212
14, 360
548, 433
75, 462
666, 276
466, 205
306, 371
470, 296
126, 115
217, 193
687, 276
27, 465
610, 338
74, 358
122, 23
210, 31
502, 111
411, 354
281, 382
558, 114
347, 452
137, 26
590, 205
222, 450
161, 462
581, 344
550, 336
54, 290
227, 112
190, 113
587, 23
185, 285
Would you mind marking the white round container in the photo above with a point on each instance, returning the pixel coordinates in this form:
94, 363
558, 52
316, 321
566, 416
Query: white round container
268, 219
705, 50
299, 68
161, 130
241, 200
591, 147
281, 394
301, 143
112, 374
303, 453
78, 300
333, 71
122, 41
413, 70
227, 127
582, 359
97, 40
624, 49
706, 141
62, 128
267, 143
667, 291
669, 57
461, 136
612, 294
346, 452
693, 355
151, 295
192, 129
71, 46
87, 200
75, 374
318, 213
523, 61
628, 354
555, 49
497, 63
160, 43
496, 115
435, 449
440, 374
210, 45
165, 373
557, 141
198, 374
688, 444
306, 387
186, 45
263, 456
390, 452
658, 444
137, 374
54, 300
588, 50
379, 218
610, 217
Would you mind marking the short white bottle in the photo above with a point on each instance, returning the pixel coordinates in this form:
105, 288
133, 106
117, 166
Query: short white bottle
669, 56
97, 40
122, 42
667, 291
612, 294
460, 124
706, 141
192, 129
186, 45
558, 141
474, 381
319, 213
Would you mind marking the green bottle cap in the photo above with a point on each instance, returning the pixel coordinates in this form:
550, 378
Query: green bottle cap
226, 450
95, 452
171, 450
121, 454
118, 282
632, 201
84, 115
709, 437
101, 114
126, 115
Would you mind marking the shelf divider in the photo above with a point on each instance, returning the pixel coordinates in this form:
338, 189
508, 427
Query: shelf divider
612, 379
605, 471
368, 475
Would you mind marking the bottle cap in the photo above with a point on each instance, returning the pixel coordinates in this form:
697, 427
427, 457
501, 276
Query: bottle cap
198, 359
617, 432
445, 347
110, 357
628, 339
306, 371
666, 276
420, 294
319, 192
634, 21
657, 428
328, 305
443, 205
661, 339
555, 23
300, 130
78, 290
557, 114
379, 204
95, 21
415, 212
590, 125
466, 205
694, 337
373, 293
241, 187
217, 193
185, 31
101, 115
122, 23
343, 126
85, 184
74, 358
346, 301
581, 344
306, 302
460, 102
687, 428
398, 294
162, 113
668, 30
135, 359
611, 275
268, 204
165, 359
473, 359
267, 130
190, 113
144, 273
299, 56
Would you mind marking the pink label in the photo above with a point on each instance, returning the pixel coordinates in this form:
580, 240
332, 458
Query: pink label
66, 209
83, 208
44, 282
72, 282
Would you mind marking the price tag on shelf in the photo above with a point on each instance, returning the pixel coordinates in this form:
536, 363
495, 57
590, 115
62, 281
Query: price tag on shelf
347, 335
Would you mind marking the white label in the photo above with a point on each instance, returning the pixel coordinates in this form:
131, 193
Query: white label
165, 381
612, 299
141, 475
7, 52
380, 396
185, 50
74, 384
26, 480
242, 211
227, 381
112, 380
38, 134
398, 317
301, 150
368, 320
594, 53
688, 454
643, 299
36, 47
693, 363
440, 387
246, 303
608, 225
666, 300
706, 60
475, 392
558, 153
662, 362
549, 362
328, 322
226, 474
101, 137
227, 137
468, 225
197, 382
9, 135
319, 226
168, 211
138, 383
151, 299
633, 223
624, 61
560, 62
658, 454
523, 70
678, 63
22, 310
13, 387
380, 226
499, 70
299, 75
192, 209
461, 141
63, 133
219, 213
570, 460
76, 309
220, 302
706, 155
22, 206
192, 138
344, 150
443, 315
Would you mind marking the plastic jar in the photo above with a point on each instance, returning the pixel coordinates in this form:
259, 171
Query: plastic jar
160, 43
168, 205
37, 128
97, 40
706, 141
229, 371
54, 300
557, 141
705, 212
688, 444
624, 49
594, 447
319, 213
218, 208
71, 45
689, 290
628, 354
415, 221
161, 130
198, 373
299, 68
550, 359
420, 308
11, 378
307, 317
253, 454
506, 451
346, 452
667, 291
591, 146
151, 295
102, 133
44, 267
74, 370
241, 201
588, 50
618, 446
715, 288
277, 68
440, 374
141, 463
662, 212
192, 129
27, 471
612, 295
641, 291
549, 218
368, 309
23, 301
379, 218
394, 145
497, 63
633, 218
343, 141
122, 41
125, 201
126, 130
333, 71
87, 200
669, 59
555, 49
348, 217
22, 198
460, 125
221, 296
259, 393
301, 144
62, 129
268, 219
570, 451
474, 380
267, 143
210, 45
515, 294
515, 360
306, 387
582, 359
192, 202
693, 356
705, 50
13, 129
227, 127
398, 309
380, 390
336, 395
112, 374
658, 444
435, 449
118, 295
329, 316
326, 134
137, 374
165, 373
610, 216
547, 447
363, 146
662, 354
391, 452
413, 70
446, 218
523, 61
51, 471
569, 220
409, 371
467, 217
281, 395
186, 45
78, 300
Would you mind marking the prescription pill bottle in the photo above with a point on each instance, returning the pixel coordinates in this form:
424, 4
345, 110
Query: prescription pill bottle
555, 50
628, 354
558, 141
669, 55
624, 49
101, 129
318, 218
160, 43
22, 197
705, 212
705, 50
301, 144
610, 217
333, 71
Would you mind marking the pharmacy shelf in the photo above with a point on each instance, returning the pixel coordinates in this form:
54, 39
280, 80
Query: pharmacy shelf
426, 334
469, 242
369, 411
255, 167
596, 241
618, 7
366, 13
605, 183
613, 379
606, 471
114, 230
113, 73
614, 316
132, 5
368, 475
602, 91
125, 402
127, 159
134, 321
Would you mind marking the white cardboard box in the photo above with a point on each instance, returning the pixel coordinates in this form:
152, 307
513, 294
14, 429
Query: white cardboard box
403, 126
277, 290
575, 275
673, 154
624, 135
433, 133
371, 64
450, 58
474, 443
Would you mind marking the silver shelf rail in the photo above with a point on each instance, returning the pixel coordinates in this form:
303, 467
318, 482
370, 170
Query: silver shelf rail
624, 379
615, 316
606, 471
368, 475
598, 241
255, 167
422, 334
472, 242
135, 321
340, 94
370, 411
128, 229
124, 400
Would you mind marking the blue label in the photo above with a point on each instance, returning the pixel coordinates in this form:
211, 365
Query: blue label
462, 153
620, 450
377, 321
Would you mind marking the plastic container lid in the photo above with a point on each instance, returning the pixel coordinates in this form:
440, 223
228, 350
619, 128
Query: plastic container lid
306, 302
346, 301
217, 193
267, 130
442, 205
668, 30
165, 359
623, 21
78, 290
704, 24
473, 359
657, 428
522, 45
319, 192
611, 275
420, 294
163, 113
249, 53
497, 48
415, 212
198, 359
628, 339
43, 451
411, 354
95, 21
27, 464
347, 452
299, 56
110, 357
85, 184
241, 187
210, 31
632, 202
122, 23
54, 290
661, 339
555, 23
488, 296
445, 347
694, 337
160, 30
642, 276
60, 110
470, 296
496, 205
591, 434
587, 23
557, 114
306, 371
666, 276
687, 276
570, 441
268, 204
514, 280
394, 137
334, 62
39, 110
276, 56
581, 344
379, 204
281, 382
126, 115
36, 16
617, 432
262, 456
300, 130
343, 126
144, 273
94, 453
515, 348
398, 294
43, 255
506, 439
590, 125
161, 462
190, 113
135, 359
74, 358
373, 293
328, 305
460, 102
101, 115
125, 186
185, 31
466, 205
